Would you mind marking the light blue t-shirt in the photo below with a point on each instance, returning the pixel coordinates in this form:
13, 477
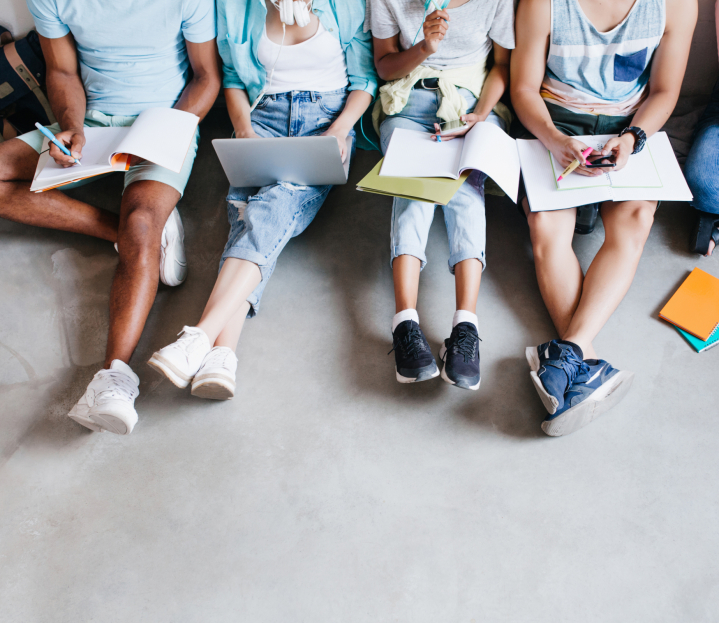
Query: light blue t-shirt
132, 52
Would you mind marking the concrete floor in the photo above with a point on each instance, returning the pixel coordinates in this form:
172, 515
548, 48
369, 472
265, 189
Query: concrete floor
333, 493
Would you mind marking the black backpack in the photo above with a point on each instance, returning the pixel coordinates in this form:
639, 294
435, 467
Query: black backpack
22, 76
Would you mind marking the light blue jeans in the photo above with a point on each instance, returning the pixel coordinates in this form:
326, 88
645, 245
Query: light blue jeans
464, 214
263, 220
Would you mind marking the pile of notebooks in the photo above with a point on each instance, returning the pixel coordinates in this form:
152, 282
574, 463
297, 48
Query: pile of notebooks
693, 310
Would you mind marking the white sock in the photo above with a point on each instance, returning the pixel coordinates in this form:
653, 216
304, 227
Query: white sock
465, 316
405, 314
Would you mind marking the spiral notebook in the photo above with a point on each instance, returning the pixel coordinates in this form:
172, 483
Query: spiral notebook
700, 345
694, 307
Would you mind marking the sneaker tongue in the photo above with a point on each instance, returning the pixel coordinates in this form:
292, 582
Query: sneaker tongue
121, 366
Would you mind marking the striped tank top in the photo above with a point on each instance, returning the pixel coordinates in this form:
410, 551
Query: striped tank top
601, 73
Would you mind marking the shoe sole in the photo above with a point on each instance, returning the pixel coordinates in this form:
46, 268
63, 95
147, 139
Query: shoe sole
86, 422
114, 422
167, 275
167, 369
446, 378
549, 401
601, 400
213, 388
425, 375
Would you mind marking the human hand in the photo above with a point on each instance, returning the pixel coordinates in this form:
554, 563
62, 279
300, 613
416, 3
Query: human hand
74, 140
434, 28
341, 135
248, 133
566, 149
619, 148
470, 120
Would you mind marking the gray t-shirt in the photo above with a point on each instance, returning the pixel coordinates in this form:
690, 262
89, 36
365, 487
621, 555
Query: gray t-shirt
468, 40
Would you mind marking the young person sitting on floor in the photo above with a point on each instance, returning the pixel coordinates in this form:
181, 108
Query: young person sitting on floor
440, 75
318, 83
106, 63
592, 67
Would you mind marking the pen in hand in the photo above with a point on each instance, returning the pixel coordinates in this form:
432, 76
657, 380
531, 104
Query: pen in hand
52, 138
574, 164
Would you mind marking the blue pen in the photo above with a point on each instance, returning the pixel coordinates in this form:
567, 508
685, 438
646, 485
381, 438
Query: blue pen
52, 138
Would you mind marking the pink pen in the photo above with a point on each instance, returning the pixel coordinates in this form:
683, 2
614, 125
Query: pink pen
574, 164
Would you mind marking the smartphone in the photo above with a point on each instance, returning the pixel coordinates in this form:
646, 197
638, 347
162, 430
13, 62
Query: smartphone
451, 127
598, 162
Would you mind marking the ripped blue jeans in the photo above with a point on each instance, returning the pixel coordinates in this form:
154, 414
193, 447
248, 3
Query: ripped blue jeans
263, 220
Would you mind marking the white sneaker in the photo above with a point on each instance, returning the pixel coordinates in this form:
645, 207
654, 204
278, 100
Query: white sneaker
173, 263
79, 413
181, 360
109, 401
216, 377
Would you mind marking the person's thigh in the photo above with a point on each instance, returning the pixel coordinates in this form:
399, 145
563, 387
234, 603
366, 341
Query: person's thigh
552, 227
18, 161
419, 114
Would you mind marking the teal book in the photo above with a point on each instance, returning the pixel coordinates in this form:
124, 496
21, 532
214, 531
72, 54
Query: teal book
697, 343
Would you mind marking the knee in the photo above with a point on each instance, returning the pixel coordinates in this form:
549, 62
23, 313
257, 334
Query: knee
546, 231
140, 230
633, 227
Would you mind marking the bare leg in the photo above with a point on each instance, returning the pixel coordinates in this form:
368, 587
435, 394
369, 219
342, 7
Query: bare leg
627, 226
558, 271
406, 277
236, 281
52, 209
145, 208
467, 284
230, 335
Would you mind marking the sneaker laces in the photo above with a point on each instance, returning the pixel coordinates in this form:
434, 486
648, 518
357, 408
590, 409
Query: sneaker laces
188, 338
570, 364
121, 387
411, 344
465, 344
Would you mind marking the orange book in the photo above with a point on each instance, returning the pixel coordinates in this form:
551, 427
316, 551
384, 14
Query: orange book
694, 307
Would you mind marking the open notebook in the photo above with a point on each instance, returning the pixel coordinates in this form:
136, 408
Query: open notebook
159, 135
653, 174
485, 148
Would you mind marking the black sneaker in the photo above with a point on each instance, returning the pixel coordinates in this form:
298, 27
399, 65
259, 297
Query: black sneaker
414, 360
461, 355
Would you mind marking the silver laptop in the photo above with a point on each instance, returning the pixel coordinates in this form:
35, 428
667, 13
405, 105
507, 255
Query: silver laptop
304, 160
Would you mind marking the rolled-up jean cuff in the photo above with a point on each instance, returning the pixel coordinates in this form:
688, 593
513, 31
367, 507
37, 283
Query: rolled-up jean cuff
266, 271
415, 252
461, 257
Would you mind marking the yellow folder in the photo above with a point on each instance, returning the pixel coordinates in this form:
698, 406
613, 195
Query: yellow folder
431, 189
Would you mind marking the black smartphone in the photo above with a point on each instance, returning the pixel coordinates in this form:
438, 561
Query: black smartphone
597, 163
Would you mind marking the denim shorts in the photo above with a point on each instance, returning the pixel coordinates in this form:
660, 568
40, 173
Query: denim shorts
464, 214
263, 220
144, 170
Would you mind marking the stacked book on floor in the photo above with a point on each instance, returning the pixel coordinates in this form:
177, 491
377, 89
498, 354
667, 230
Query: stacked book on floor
694, 310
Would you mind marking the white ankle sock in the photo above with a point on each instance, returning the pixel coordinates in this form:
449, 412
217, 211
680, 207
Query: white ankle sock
405, 314
465, 316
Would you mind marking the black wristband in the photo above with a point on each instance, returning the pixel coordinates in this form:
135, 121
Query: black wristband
640, 137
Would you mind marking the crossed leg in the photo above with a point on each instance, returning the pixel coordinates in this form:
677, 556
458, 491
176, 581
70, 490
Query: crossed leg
52, 209
580, 306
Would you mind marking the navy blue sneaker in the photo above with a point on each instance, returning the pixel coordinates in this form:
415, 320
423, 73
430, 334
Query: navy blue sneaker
554, 366
595, 390
461, 357
414, 360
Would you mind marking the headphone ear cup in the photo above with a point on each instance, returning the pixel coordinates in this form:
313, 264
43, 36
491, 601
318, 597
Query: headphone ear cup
286, 12
302, 15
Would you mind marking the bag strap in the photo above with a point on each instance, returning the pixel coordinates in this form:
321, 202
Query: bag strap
26, 75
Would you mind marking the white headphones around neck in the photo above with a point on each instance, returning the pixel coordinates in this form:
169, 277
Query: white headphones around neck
292, 11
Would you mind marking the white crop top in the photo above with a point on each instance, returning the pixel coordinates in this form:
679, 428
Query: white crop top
317, 64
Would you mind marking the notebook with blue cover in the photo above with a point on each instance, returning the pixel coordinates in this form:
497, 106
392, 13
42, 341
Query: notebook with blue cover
697, 343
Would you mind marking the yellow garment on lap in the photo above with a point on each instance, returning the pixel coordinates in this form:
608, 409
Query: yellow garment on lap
394, 95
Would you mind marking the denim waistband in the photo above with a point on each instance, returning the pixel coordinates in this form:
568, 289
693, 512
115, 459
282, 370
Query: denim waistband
308, 96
